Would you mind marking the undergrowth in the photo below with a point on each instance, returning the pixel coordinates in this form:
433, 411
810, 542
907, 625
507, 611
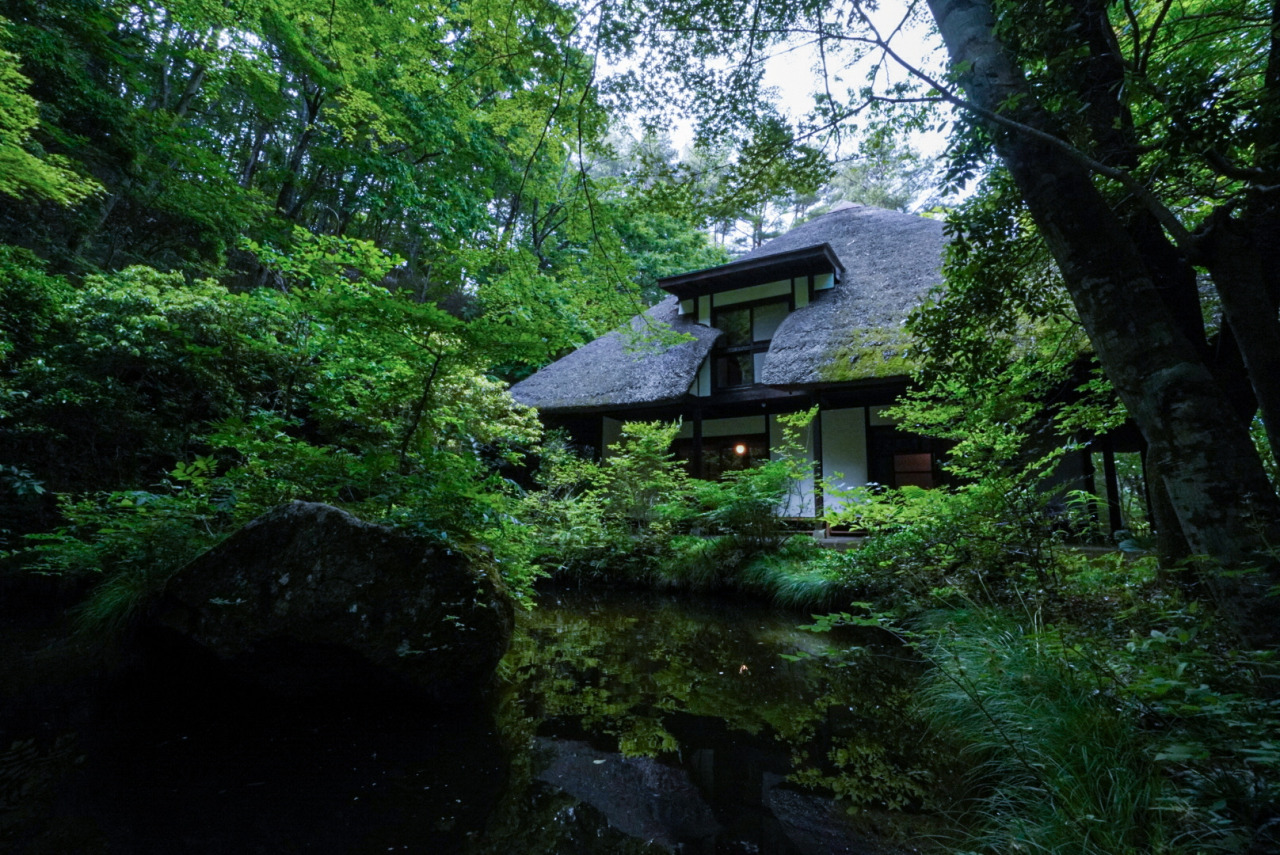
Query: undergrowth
1055, 764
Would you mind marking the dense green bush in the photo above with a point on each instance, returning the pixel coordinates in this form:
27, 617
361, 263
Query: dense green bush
637, 516
991, 540
165, 413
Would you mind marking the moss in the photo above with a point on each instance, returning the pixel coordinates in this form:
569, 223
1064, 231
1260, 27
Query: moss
869, 353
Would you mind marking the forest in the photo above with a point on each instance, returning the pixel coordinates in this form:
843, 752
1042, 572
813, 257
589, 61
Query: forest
261, 251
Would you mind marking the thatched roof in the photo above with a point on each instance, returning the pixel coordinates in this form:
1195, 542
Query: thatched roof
624, 367
854, 331
850, 332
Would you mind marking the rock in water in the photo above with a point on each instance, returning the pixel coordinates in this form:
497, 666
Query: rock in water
307, 601
638, 795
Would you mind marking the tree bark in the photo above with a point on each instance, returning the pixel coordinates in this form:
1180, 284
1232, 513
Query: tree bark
1237, 252
1214, 477
1171, 546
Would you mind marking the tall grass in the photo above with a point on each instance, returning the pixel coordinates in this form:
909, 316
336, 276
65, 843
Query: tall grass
1058, 765
795, 577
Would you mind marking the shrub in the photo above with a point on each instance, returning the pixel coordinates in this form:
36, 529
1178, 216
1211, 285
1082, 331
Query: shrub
637, 515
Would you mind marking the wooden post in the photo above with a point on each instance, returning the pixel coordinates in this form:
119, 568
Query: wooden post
1113, 485
697, 441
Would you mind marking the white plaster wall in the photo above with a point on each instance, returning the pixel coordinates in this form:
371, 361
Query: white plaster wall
800, 502
754, 292
724, 427
701, 385
844, 452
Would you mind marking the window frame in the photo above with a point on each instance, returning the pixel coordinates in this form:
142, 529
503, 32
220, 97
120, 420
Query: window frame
721, 351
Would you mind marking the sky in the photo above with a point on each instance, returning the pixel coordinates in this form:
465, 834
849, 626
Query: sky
794, 71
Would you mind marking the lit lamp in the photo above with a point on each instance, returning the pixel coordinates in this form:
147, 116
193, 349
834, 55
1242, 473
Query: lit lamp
739, 449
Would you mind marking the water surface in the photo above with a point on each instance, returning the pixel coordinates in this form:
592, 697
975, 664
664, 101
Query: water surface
621, 723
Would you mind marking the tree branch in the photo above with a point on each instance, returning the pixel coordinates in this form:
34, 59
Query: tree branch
1181, 236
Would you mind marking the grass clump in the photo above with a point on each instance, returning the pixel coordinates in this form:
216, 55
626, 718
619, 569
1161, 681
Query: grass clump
1099, 738
1057, 765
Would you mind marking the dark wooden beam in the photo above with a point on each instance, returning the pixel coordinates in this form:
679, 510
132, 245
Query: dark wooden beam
755, 271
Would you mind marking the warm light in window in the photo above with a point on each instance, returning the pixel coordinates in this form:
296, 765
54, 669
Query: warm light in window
739, 449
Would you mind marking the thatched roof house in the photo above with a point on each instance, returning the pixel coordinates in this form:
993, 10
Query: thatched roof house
880, 263
811, 318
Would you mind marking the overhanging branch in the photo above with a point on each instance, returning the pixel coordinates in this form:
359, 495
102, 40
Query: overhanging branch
1180, 234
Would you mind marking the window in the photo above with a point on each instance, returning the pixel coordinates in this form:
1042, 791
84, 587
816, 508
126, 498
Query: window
721, 454
913, 469
740, 351
898, 459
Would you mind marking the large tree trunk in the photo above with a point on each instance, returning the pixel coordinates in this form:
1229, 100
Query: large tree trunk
1213, 475
1238, 253
1243, 253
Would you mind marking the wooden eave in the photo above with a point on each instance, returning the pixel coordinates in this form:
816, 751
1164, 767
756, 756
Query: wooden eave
755, 271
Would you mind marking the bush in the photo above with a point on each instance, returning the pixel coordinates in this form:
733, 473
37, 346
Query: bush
993, 540
336, 391
637, 516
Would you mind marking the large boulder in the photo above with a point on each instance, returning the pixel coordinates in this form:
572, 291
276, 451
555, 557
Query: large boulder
308, 601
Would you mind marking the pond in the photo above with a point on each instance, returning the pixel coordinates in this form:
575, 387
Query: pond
623, 723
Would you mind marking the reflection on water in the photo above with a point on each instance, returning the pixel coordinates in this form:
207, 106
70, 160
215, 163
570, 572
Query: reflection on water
683, 723
623, 724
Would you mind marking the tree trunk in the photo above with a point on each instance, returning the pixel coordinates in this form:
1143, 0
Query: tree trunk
1240, 268
1213, 475
1172, 547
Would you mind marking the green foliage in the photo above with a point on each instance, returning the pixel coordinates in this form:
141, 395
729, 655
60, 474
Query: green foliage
24, 171
993, 541
334, 391
636, 515
1058, 767
804, 576
884, 173
135, 540
661, 237
641, 482
218, 128
611, 517
29, 304
1082, 743
1101, 712
130, 365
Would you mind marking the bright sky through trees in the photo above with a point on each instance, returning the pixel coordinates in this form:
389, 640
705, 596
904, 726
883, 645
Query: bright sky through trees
795, 73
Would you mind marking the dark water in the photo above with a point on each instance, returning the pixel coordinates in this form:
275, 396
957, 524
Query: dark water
629, 723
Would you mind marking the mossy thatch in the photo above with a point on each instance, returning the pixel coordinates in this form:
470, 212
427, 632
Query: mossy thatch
637, 364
